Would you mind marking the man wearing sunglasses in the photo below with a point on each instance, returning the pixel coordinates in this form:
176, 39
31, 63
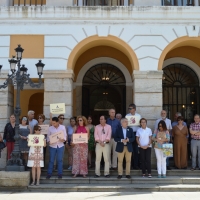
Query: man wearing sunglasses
102, 136
135, 156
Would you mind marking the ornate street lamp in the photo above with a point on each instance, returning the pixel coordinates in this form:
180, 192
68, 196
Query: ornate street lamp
18, 78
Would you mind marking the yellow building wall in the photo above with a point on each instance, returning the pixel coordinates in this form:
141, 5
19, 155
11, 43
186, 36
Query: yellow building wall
191, 53
25, 96
101, 51
33, 45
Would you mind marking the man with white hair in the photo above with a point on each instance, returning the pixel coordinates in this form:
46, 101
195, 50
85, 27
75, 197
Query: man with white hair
32, 122
169, 128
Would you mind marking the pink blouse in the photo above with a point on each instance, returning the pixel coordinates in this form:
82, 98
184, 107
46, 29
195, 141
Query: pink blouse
81, 129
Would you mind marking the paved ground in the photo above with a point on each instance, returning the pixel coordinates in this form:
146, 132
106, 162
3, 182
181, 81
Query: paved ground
101, 196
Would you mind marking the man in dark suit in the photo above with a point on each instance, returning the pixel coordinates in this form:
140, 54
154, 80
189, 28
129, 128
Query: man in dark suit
124, 137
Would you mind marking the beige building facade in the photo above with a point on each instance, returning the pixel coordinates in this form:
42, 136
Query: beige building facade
98, 58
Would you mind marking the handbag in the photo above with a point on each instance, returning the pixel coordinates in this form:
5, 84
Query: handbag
167, 150
2, 145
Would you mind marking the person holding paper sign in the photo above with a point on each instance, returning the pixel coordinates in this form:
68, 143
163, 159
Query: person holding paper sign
36, 158
56, 149
135, 156
80, 151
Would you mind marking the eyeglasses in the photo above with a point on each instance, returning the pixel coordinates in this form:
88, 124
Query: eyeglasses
80, 120
39, 129
103, 131
39, 117
61, 118
130, 108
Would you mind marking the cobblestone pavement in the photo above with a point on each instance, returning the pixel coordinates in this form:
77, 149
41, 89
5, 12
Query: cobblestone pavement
100, 195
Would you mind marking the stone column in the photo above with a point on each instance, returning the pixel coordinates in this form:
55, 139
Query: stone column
58, 88
6, 108
148, 97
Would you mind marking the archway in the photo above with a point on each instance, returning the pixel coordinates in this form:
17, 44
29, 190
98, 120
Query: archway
181, 91
36, 103
96, 41
104, 87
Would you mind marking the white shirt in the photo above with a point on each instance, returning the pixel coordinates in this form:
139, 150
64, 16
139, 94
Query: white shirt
124, 132
144, 135
135, 128
167, 121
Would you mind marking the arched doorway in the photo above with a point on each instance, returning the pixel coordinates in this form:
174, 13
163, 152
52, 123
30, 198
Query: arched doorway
103, 87
181, 91
36, 103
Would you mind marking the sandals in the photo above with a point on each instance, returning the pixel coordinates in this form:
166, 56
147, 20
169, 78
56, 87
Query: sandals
75, 175
84, 176
33, 183
38, 183
143, 175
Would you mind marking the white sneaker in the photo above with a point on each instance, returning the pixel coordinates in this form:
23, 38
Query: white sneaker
70, 168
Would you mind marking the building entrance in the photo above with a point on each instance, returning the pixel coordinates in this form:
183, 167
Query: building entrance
181, 91
104, 87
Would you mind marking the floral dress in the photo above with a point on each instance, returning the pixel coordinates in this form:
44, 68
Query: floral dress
80, 155
91, 146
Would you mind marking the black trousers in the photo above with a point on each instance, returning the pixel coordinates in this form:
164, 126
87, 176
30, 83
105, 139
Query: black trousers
145, 158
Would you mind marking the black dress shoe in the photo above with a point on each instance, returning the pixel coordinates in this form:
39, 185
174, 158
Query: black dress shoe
169, 168
107, 176
60, 176
96, 176
48, 176
119, 176
128, 176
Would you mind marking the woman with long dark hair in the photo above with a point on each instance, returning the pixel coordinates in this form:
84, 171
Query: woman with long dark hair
160, 137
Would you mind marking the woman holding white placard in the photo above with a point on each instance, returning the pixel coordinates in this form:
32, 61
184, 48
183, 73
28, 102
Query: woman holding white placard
80, 150
36, 158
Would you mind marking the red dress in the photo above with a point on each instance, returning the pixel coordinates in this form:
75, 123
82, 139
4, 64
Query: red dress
80, 155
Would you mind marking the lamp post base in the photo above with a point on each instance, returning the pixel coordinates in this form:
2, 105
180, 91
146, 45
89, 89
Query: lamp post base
15, 168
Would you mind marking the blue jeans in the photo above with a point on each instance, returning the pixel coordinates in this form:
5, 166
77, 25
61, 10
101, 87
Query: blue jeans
58, 153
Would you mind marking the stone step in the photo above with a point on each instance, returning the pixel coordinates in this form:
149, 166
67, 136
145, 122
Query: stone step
114, 188
173, 172
113, 180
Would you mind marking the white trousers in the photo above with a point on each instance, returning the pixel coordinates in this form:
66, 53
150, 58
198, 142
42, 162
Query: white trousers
113, 160
161, 161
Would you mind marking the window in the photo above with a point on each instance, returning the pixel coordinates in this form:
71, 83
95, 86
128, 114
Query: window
178, 2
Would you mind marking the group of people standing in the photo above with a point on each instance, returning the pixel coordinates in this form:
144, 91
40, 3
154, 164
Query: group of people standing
112, 138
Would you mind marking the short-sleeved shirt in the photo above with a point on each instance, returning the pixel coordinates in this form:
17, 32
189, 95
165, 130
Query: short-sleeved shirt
144, 135
33, 123
195, 127
158, 145
167, 121
115, 124
135, 128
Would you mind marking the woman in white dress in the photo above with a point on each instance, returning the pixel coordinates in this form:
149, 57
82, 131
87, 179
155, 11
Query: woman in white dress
36, 158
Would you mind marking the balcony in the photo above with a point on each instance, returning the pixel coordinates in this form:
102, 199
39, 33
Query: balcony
100, 2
